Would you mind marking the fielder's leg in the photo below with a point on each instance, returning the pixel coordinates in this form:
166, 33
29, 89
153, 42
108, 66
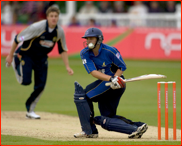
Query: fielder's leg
84, 113
40, 77
17, 66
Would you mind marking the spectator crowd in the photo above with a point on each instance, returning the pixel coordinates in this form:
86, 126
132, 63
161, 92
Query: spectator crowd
27, 12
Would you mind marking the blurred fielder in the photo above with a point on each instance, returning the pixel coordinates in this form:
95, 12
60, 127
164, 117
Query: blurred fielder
38, 40
106, 64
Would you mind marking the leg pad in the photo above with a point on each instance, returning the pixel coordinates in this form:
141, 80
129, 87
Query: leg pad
83, 108
115, 124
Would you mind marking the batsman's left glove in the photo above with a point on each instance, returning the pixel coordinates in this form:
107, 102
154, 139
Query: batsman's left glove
117, 82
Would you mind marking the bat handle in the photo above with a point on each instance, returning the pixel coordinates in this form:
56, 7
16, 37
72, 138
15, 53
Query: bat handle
108, 84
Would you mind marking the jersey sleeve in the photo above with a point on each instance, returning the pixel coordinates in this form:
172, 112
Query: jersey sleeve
61, 41
117, 59
87, 62
30, 32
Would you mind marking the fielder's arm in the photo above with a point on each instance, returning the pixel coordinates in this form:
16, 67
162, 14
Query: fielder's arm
9, 58
64, 56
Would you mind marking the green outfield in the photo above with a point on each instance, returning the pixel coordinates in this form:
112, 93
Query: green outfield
139, 102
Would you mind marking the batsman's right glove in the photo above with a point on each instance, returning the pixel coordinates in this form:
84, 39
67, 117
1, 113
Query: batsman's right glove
117, 82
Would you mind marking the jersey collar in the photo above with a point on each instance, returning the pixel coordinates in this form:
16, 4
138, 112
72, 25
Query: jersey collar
47, 27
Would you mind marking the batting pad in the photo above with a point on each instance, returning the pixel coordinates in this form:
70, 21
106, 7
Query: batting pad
83, 108
115, 124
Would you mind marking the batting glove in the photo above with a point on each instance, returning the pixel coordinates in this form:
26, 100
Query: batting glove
117, 82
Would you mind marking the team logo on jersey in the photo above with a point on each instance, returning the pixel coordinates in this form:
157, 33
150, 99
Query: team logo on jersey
84, 61
103, 65
46, 43
22, 62
54, 39
118, 55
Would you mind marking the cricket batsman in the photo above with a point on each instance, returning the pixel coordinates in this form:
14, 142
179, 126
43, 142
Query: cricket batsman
105, 64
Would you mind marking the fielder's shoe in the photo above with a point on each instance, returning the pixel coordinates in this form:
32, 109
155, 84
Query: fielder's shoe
138, 134
84, 135
32, 115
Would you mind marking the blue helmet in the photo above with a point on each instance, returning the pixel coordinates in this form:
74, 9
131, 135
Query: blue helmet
94, 32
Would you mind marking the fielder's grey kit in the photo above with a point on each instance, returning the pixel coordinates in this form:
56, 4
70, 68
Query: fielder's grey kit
38, 40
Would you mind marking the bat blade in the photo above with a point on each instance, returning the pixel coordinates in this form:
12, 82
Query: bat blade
143, 77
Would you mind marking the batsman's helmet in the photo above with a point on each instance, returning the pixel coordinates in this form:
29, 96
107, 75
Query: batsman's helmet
94, 32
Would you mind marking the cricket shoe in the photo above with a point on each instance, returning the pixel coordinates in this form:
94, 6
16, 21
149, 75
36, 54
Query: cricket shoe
144, 129
138, 134
32, 115
82, 134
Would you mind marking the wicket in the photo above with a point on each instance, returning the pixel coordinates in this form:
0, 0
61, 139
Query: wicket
166, 109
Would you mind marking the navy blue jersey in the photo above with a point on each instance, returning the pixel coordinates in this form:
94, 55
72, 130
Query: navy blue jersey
107, 61
38, 41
